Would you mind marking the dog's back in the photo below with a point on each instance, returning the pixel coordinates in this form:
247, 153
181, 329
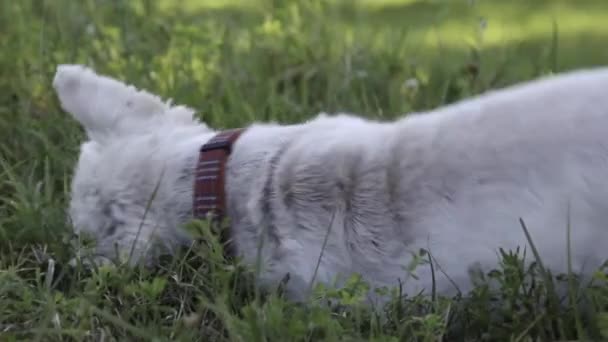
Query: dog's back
455, 181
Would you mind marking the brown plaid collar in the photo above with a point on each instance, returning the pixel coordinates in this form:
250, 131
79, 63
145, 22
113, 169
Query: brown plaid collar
210, 176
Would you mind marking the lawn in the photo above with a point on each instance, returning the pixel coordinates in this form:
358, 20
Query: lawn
238, 62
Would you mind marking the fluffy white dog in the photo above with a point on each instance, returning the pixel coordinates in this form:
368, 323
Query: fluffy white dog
339, 194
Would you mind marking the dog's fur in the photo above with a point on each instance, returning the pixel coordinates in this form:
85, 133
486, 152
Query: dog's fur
454, 181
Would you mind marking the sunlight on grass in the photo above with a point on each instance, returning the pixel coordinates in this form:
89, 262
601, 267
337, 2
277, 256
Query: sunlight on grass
457, 25
458, 21
501, 22
201, 5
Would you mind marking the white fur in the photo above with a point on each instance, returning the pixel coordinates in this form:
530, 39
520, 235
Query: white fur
454, 181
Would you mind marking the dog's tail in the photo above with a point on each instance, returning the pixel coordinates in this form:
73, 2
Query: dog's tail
107, 107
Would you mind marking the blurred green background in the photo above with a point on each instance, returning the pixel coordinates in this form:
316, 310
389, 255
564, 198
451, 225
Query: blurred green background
237, 62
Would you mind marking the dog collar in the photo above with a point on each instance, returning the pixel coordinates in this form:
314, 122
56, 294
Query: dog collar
210, 176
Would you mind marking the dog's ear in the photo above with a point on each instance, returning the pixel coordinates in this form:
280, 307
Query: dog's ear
106, 106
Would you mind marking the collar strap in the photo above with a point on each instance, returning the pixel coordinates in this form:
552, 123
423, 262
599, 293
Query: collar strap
210, 176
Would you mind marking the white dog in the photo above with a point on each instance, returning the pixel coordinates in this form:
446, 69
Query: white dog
340, 195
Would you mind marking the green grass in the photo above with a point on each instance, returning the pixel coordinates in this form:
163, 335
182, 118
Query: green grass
238, 62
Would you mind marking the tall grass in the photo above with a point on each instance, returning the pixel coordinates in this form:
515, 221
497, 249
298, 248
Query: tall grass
237, 62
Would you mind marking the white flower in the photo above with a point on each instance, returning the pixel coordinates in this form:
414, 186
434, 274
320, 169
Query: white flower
411, 83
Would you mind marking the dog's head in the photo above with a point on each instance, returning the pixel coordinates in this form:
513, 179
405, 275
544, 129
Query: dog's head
125, 190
